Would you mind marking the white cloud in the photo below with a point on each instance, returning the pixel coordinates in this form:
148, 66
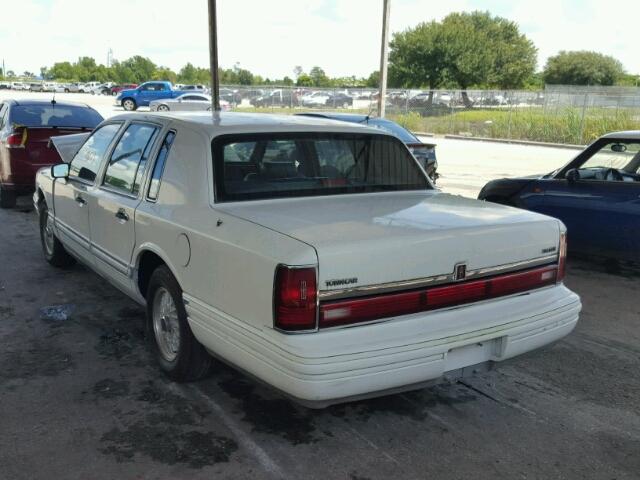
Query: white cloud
270, 38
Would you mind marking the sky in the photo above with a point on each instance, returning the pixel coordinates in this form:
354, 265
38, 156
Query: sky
271, 37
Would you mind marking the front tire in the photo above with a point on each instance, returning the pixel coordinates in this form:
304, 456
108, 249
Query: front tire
129, 104
177, 351
53, 250
163, 108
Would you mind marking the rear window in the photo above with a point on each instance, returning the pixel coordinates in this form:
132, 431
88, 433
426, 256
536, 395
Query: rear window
260, 166
400, 132
55, 116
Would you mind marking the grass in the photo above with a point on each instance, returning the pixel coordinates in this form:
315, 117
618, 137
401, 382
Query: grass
561, 125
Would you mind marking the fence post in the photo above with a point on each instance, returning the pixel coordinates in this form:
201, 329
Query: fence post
584, 109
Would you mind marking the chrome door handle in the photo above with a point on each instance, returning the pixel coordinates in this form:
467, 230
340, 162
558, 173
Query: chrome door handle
122, 215
80, 201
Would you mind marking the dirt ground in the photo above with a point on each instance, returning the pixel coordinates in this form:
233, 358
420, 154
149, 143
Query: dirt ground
81, 398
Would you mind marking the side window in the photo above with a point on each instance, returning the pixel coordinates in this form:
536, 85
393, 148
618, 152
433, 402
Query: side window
158, 168
3, 114
87, 161
129, 157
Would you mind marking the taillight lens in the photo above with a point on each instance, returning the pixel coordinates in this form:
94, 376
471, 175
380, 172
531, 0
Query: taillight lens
17, 138
562, 256
357, 310
295, 295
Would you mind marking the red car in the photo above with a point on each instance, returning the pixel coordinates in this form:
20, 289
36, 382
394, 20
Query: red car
25, 129
116, 89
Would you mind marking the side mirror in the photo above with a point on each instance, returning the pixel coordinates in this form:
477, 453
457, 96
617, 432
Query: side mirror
572, 175
60, 170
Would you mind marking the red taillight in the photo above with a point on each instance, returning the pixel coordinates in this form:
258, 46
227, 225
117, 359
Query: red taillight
562, 256
344, 312
295, 295
17, 138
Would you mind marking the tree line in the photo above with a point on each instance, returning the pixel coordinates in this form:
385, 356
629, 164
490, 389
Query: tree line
462, 51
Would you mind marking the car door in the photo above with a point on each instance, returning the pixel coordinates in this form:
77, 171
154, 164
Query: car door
195, 102
115, 201
602, 213
151, 91
71, 196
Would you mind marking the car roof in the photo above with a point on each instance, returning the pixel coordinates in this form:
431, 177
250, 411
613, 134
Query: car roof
31, 101
235, 122
627, 135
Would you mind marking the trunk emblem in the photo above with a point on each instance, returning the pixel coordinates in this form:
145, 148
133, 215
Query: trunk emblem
341, 282
460, 271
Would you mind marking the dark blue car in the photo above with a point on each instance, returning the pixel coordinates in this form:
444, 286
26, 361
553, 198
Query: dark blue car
425, 153
596, 195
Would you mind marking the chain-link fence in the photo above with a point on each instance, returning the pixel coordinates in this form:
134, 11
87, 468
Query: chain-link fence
570, 114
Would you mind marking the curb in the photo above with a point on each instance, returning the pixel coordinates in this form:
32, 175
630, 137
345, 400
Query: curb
517, 142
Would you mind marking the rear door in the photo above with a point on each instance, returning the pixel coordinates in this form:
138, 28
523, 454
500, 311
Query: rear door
115, 201
71, 196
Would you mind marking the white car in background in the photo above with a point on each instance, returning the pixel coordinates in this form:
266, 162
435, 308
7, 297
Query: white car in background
315, 99
187, 102
49, 86
19, 86
88, 87
315, 255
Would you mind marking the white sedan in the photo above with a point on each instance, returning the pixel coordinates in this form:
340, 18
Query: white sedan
315, 255
189, 102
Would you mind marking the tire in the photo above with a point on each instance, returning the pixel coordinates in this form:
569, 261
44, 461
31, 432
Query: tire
129, 104
163, 108
7, 198
180, 356
54, 252
66, 90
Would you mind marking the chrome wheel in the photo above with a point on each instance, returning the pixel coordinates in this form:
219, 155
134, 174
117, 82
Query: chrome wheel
128, 105
163, 108
166, 325
49, 238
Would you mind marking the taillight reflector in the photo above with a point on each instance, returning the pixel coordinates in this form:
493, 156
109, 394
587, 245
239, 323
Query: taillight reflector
357, 310
295, 296
17, 138
562, 256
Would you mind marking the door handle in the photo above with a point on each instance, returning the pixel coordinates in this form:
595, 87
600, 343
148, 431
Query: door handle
122, 215
80, 201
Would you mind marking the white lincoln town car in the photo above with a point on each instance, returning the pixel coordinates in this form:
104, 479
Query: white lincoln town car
314, 255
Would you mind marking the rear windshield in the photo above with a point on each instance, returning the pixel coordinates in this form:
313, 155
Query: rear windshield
259, 166
397, 130
54, 116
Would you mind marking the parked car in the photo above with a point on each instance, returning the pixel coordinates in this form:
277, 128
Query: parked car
275, 98
146, 93
116, 89
73, 87
339, 99
198, 88
19, 86
49, 86
425, 153
315, 99
231, 96
595, 195
5, 85
186, 102
102, 89
25, 129
36, 87
314, 255
89, 86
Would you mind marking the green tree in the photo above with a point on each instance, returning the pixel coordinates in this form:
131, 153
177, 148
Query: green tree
188, 74
137, 69
318, 77
165, 73
373, 80
303, 80
582, 68
245, 77
287, 81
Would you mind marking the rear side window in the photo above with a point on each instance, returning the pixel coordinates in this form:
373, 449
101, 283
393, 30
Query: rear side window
87, 161
129, 157
158, 168
47, 115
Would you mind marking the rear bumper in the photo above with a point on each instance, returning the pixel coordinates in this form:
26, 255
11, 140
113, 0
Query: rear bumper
331, 366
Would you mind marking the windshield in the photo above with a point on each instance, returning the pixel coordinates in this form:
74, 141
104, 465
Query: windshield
46, 115
259, 166
400, 132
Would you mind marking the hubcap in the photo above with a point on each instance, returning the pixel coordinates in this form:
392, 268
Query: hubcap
48, 235
128, 105
166, 326
163, 108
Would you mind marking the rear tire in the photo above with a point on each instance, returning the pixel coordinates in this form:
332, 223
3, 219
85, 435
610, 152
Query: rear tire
177, 351
163, 108
7, 198
53, 250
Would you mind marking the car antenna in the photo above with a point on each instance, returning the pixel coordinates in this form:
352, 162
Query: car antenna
53, 100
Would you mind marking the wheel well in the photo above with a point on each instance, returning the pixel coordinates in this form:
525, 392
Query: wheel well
498, 199
40, 196
149, 261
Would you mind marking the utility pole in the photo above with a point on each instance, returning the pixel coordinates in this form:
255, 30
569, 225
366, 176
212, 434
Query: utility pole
384, 56
213, 57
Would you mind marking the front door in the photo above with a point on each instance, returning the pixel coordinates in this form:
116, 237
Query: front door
71, 199
115, 201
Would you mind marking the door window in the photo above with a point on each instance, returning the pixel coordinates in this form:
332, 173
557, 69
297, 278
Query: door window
127, 163
614, 161
86, 162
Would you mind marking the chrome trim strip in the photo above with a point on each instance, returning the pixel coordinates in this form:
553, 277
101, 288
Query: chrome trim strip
381, 288
110, 260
